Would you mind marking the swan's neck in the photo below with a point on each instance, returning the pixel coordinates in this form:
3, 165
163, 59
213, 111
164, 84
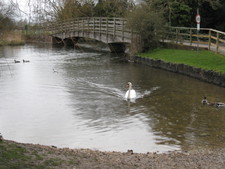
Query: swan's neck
128, 94
129, 89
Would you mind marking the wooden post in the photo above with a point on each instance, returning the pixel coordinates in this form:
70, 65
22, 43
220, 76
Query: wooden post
88, 25
83, 26
176, 35
78, 21
100, 27
94, 27
107, 29
114, 28
61, 27
190, 37
217, 42
210, 34
123, 29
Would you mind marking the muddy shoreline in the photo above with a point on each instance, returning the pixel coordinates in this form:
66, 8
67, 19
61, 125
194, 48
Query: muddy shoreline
40, 156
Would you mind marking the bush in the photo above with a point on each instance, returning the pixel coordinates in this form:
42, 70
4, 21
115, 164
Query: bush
146, 22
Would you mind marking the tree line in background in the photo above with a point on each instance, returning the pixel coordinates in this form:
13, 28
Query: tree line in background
7, 14
174, 12
146, 16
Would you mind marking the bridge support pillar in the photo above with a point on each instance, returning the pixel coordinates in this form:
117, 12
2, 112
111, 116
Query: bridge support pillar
117, 47
57, 41
65, 42
71, 41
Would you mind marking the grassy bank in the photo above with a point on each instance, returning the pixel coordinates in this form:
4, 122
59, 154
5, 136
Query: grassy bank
12, 38
11, 43
27, 156
202, 59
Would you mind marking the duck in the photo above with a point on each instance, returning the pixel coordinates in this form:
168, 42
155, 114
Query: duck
220, 104
205, 101
131, 93
16, 61
24, 61
216, 104
55, 71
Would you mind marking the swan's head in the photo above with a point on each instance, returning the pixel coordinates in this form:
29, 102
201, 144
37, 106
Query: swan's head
129, 85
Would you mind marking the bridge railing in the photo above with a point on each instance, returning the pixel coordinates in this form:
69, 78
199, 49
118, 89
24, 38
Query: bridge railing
206, 37
101, 25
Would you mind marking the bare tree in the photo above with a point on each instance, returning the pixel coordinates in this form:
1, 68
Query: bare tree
8, 9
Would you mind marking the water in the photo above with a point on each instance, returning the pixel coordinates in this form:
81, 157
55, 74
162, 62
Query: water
75, 98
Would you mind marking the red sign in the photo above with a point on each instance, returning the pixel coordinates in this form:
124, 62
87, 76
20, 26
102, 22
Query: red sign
198, 19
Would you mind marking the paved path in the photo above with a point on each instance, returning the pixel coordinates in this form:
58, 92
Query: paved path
201, 46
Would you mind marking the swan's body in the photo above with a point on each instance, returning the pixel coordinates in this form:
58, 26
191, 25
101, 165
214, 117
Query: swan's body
131, 93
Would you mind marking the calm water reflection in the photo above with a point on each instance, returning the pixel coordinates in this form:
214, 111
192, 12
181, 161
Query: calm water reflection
82, 105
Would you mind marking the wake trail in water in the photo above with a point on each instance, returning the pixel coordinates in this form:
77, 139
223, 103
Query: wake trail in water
146, 93
107, 89
116, 91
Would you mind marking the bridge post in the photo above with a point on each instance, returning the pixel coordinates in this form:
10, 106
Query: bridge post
100, 28
210, 33
123, 30
94, 27
114, 28
107, 30
83, 26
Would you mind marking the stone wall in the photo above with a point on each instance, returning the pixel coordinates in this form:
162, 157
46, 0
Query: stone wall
198, 73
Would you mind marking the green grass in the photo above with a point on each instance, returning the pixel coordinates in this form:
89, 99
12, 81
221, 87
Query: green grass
16, 156
13, 156
202, 59
12, 43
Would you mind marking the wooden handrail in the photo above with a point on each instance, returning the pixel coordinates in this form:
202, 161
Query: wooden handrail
190, 36
101, 25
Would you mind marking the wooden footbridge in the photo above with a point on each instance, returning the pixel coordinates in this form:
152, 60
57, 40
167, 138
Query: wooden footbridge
112, 31
115, 33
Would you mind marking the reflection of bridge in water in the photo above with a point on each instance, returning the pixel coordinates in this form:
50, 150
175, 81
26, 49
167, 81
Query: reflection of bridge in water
112, 31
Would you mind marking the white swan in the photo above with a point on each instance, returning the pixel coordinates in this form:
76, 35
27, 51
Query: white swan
130, 94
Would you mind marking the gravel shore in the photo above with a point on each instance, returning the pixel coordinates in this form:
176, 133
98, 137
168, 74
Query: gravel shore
39, 156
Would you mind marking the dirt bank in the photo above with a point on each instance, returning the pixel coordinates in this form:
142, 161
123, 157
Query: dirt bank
18, 155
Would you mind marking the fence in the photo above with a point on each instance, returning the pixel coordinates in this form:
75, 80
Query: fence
209, 38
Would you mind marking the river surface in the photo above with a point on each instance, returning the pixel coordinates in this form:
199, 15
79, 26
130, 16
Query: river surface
75, 98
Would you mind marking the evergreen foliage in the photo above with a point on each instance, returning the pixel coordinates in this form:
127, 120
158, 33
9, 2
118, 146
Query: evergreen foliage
182, 12
146, 22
